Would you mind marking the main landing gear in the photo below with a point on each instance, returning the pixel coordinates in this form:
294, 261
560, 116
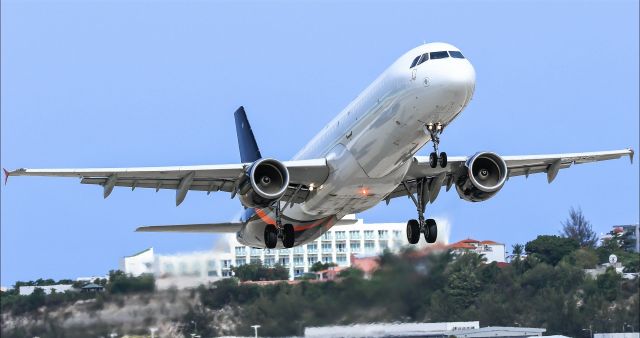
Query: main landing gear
273, 232
427, 227
434, 130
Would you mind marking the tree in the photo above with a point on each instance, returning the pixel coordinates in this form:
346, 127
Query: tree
319, 266
551, 249
579, 228
257, 272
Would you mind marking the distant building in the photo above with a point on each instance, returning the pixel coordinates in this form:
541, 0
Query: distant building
90, 279
617, 335
345, 241
92, 288
139, 263
632, 233
492, 251
59, 288
440, 330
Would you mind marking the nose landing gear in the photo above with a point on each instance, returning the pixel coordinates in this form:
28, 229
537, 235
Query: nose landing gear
428, 227
273, 232
434, 130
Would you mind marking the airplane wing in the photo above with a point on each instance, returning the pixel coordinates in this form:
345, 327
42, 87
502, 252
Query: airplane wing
517, 166
207, 227
209, 178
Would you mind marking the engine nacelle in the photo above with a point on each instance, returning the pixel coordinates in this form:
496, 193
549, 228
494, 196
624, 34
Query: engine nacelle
264, 181
485, 175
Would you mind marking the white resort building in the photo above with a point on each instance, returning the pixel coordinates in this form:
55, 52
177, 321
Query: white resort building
349, 237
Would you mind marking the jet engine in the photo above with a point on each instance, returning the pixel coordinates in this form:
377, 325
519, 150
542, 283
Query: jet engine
484, 176
264, 181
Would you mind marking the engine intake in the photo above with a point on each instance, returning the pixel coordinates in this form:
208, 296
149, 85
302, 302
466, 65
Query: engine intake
264, 182
485, 175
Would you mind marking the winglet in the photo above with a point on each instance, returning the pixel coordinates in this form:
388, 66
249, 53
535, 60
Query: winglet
631, 155
6, 175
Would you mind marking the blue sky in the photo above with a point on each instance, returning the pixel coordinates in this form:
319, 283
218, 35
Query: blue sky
99, 83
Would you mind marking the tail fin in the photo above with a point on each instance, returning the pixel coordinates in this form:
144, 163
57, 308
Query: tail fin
247, 144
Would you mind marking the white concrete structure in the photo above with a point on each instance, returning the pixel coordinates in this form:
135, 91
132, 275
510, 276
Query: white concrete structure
139, 263
60, 288
350, 237
492, 251
389, 330
617, 335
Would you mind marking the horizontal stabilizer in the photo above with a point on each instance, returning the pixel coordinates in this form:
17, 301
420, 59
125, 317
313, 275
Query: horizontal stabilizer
206, 227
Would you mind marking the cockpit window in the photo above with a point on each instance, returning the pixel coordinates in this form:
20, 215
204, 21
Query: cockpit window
456, 54
439, 55
424, 58
415, 61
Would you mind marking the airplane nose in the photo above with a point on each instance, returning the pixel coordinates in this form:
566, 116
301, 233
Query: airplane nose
458, 79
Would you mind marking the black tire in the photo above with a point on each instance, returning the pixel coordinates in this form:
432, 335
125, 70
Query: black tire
288, 236
270, 236
433, 159
443, 159
431, 228
413, 231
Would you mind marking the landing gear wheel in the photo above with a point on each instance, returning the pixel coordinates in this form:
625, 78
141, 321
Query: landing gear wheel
442, 159
433, 160
431, 230
413, 231
270, 236
288, 236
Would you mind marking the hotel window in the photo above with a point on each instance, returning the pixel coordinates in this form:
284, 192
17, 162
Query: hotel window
241, 251
269, 261
212, 273
327, 259
298, 260
311, 260
341, 247
341, 235
211, 264
240, 261
168, 268
326, 247
284, 261
284, 252
341, 260
312, 248
327, 236
255, 260
256, 252
368, 234
226, 264
298, 249
383, 234
226, 273
397, 234
354, 234
355, 246
369, 246
384, 245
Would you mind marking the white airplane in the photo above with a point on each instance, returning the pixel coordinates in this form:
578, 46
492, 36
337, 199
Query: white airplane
365, 155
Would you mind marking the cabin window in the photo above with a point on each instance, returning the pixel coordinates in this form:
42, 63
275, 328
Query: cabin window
439, 55
456, 54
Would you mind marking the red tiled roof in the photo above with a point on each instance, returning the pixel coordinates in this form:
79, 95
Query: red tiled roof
461, 245
489, 242
469, 240
366, 264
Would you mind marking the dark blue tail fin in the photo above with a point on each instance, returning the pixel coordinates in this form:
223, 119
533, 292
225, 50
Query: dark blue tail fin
249, 151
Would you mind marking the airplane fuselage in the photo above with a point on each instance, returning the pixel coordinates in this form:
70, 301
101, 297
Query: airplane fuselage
370, 144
